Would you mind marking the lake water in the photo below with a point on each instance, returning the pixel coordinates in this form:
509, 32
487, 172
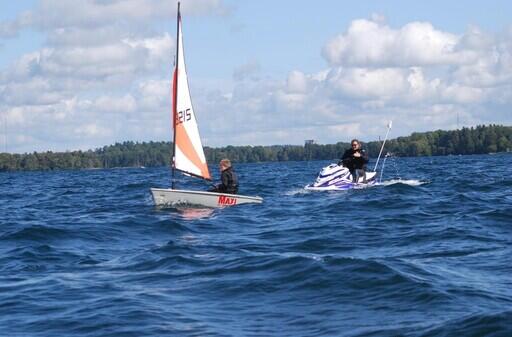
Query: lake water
426, 253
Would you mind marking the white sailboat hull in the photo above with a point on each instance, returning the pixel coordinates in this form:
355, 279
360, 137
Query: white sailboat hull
170, 197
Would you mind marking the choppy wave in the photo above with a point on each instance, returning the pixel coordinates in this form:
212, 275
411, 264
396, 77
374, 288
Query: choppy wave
85, 253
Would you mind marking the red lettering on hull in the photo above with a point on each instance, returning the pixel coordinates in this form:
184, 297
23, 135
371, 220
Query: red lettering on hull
225, 200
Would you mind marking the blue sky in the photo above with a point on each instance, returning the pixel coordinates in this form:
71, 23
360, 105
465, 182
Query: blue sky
287, 35
281, 71
25, 42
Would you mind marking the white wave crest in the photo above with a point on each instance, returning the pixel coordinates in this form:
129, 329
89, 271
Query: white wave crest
297, 191
410, 182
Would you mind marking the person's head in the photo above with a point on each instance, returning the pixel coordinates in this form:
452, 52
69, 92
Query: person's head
355, 144
225, 164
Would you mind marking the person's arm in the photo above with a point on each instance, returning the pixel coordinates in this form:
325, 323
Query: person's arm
364, 155
346, 155
225, 180
346, 158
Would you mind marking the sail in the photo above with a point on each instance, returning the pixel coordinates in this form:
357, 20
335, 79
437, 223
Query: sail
188, 150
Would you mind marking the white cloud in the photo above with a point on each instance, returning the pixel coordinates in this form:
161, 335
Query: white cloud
370, 43
35, 91
368, 83
92, 130
154, 95
50, 15
10, 29
80, 69
247, 70
297, 82
108, 104
127, 57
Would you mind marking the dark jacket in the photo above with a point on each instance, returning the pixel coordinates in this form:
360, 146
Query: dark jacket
229, 182
354, 163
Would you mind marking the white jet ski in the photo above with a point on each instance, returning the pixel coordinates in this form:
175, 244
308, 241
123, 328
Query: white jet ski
337, 177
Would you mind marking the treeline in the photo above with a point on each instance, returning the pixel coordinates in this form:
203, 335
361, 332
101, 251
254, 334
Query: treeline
478, 140
126, 154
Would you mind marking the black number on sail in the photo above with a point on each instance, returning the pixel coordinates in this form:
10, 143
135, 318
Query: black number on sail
183, 116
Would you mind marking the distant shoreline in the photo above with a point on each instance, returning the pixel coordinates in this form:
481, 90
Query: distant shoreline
466, 141
260, 162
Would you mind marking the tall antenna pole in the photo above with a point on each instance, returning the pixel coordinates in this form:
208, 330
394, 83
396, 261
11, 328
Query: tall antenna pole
175, 93
382, 148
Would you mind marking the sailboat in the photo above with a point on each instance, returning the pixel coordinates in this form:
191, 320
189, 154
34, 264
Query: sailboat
188, 154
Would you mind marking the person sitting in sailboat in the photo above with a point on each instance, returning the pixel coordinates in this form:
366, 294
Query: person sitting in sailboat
228, 178
355, 159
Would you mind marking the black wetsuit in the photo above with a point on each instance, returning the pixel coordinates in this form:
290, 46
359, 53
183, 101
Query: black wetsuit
229, 182
355, 163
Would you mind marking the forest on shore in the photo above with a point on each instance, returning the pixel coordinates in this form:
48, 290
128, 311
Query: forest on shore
475, 140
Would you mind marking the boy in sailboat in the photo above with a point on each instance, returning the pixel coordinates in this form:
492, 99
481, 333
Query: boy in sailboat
228, 178
355, 159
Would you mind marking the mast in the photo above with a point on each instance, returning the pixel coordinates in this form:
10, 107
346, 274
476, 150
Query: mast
175, 94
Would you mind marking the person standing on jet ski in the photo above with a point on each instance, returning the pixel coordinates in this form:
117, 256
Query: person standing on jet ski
228, 178
355, 159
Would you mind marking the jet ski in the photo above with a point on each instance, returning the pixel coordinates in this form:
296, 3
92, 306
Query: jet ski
338, 178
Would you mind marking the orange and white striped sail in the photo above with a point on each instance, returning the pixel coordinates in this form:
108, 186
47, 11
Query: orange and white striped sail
188, 150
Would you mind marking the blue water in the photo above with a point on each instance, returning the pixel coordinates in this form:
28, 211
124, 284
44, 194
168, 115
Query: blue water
85, 253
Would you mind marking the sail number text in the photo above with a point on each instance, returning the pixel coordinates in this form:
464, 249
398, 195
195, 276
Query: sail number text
183, 116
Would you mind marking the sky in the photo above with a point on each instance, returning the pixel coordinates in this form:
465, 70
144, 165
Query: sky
87, 73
